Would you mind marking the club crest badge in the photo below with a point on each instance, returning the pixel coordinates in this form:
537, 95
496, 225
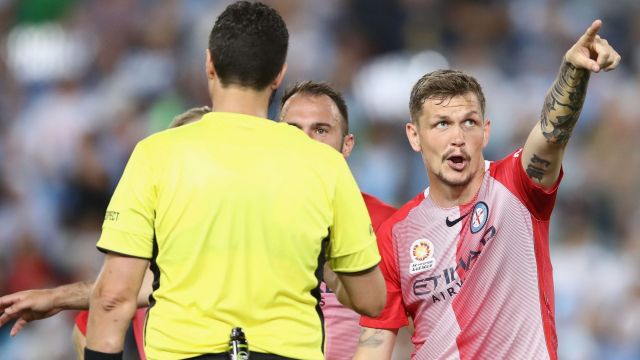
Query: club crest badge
421, 253
479, 216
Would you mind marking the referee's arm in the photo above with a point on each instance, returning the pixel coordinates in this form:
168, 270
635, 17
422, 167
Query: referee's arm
353, 253
362, 291
113, 302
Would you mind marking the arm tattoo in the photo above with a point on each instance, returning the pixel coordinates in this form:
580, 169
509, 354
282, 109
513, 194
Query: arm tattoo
370, 340
537, 167
563, 104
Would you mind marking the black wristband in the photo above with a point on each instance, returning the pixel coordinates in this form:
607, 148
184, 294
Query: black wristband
97, 355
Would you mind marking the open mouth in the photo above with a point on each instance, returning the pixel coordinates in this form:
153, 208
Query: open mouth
457, 162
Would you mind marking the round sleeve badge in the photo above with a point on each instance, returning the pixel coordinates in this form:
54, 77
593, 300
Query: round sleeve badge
479, 216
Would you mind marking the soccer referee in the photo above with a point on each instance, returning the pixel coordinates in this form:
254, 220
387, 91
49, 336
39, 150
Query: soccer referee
235, 213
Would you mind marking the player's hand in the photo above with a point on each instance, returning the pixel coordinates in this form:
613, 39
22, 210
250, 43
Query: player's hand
592, 52
26, 306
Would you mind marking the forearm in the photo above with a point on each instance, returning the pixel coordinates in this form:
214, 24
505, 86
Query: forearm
375, 344
76, 296
544, 149
109, 318
73, 296
114, 302
563, 104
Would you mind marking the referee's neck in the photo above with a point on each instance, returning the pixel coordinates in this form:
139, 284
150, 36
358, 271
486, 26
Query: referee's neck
241, 100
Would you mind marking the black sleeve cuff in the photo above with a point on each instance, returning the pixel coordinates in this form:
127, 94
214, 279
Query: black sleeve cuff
96, 355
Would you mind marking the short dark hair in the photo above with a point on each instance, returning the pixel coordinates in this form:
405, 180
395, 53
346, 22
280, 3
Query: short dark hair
442, 85
189, 116
248, 45
313, 88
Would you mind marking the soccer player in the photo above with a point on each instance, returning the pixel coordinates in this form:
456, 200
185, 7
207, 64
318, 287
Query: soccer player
468, 259
235, 213
321, 112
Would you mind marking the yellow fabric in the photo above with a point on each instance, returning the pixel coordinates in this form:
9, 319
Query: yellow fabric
237, 208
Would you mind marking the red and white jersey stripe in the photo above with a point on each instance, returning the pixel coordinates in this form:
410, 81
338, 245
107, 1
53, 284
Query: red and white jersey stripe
476, 278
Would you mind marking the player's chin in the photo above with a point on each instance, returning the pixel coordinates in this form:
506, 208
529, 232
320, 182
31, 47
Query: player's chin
456, 178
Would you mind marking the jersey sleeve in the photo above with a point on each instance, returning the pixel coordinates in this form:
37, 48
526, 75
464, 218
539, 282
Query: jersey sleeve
539, 200
352, 243
394, 315
128, 226
378, 210
82, 318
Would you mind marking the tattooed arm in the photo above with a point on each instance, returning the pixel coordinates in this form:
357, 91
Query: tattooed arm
544, 149
375, 344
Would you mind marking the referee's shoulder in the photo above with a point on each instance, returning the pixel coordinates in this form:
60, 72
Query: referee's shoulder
167, 136
303, 142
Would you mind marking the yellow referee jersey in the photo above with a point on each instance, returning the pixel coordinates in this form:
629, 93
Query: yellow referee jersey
233, 211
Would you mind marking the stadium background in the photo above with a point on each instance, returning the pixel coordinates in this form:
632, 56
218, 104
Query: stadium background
82, 81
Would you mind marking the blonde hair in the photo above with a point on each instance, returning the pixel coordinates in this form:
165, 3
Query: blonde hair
189, 116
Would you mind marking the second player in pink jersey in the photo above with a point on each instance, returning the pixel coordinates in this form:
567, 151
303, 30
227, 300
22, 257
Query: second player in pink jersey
468, 259
321, 113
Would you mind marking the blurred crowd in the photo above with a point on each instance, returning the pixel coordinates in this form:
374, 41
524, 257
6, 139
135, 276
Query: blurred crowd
82, 81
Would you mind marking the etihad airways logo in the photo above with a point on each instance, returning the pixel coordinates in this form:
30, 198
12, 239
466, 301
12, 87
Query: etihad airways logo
444, 284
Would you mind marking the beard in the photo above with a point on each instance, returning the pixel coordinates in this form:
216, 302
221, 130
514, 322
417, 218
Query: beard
459, 182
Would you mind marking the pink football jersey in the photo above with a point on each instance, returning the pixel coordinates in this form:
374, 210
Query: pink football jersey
476, 278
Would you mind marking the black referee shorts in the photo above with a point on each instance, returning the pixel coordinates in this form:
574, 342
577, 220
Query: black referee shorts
253, 356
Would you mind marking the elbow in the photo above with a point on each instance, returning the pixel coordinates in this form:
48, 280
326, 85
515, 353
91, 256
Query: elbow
377, 310
374, 309
109, 301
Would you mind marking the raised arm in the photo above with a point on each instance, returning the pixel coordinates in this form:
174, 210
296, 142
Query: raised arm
543, 152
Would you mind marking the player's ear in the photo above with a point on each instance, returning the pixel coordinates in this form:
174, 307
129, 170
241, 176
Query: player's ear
487, 132
209, 68
412, 135
276, 83
347, 145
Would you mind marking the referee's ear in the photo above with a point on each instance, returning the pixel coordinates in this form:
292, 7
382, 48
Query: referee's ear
278, 80
209, 68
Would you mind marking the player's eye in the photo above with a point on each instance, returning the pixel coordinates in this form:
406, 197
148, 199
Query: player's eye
470, 123
442, 124
321, 131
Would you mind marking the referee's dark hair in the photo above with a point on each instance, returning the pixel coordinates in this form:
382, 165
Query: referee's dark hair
248, 45
318, 89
